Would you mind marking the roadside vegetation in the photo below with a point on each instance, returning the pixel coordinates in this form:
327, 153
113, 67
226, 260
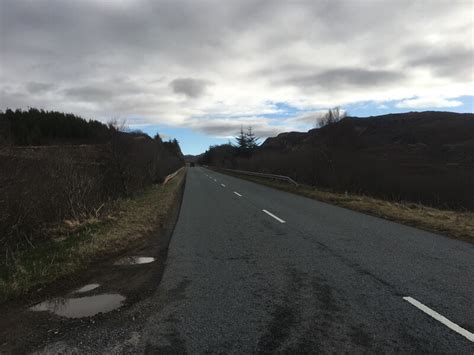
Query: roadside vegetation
454, 224
422, 157
78, 167
60, 173
73, 245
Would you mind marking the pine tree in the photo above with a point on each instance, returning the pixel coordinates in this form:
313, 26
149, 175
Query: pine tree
252, 139
246, 142
241, 140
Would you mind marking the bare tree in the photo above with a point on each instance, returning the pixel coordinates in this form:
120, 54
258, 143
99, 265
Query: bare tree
332, 116
118, 125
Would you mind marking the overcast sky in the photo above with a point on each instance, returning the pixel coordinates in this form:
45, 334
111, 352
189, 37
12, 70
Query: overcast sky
197, 70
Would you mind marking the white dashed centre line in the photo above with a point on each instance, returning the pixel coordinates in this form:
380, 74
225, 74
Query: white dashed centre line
272, 215
440, 318
222, 185
235, 192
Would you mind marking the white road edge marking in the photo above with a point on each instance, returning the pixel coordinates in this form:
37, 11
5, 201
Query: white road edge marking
272, 215
237, 194
222, 185
440, 318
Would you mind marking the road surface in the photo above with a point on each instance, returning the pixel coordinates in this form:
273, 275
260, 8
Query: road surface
253, 269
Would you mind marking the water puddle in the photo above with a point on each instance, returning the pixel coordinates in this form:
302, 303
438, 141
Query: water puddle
134, 260
81, 307
87, 288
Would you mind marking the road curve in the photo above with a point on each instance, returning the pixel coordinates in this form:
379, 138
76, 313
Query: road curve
251, 269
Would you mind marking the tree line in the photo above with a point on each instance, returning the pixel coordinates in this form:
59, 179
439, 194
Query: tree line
40, 127
56, 166
246, 142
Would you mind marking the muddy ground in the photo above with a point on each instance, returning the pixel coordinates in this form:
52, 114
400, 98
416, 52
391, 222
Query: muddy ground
23, 331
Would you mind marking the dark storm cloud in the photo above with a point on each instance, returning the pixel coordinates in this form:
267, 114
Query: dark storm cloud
190, 87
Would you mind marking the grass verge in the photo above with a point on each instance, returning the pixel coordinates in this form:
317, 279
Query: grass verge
454, 224
73, 247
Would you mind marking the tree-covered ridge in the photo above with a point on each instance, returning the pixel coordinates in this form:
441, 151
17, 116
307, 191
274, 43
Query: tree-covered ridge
40, 127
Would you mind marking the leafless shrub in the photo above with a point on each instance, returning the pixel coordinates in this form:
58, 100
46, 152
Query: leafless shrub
41, 186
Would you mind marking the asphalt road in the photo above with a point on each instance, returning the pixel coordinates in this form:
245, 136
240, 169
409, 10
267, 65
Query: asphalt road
328, 279
304, 276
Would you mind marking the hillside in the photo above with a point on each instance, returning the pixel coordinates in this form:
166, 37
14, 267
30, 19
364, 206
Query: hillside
423, 157
427, 128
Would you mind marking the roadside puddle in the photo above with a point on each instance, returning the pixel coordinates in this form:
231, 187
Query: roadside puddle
81, 307
87, 288
135, 260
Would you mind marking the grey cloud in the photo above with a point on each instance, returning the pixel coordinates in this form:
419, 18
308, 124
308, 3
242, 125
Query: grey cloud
230, 128
311, 118
89, 93
277, 70
346, 77
104, 90
36, 87
451, 61
100, 58
192, 88
218, 129
13, 99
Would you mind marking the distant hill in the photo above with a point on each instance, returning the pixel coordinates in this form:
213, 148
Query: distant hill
418, 156
431, 128
189, 158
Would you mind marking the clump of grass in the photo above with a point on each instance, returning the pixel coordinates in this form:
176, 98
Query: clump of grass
454, 224
75, 245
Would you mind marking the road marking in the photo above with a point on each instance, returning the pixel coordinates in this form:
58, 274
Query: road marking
222, 185
272, 215
235, 192
440, 318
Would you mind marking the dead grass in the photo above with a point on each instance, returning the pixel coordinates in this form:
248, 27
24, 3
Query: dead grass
76, 245
454, 224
